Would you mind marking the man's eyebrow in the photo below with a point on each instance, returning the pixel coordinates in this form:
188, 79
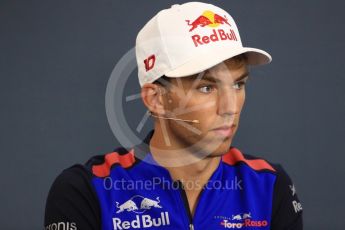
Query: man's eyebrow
212, 79
246, 74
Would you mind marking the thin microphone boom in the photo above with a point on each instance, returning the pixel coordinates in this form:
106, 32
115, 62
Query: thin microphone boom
177, 119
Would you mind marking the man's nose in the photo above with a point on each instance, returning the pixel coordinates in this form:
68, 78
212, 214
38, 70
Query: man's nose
227, 101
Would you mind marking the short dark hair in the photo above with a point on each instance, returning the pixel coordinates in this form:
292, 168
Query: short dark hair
162, 80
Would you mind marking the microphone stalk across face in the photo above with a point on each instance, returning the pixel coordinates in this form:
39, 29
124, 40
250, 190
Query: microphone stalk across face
176, 119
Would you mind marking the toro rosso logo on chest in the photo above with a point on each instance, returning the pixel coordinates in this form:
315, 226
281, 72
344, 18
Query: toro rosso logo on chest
138, 204
243, 220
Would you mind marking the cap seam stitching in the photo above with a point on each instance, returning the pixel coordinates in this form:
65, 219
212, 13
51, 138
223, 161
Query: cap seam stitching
162, 41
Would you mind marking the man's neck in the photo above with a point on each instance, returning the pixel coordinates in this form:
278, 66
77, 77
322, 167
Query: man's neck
198, 173
180, 161
183, 165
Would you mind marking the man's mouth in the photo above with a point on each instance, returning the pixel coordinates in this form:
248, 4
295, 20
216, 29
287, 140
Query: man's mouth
225, 131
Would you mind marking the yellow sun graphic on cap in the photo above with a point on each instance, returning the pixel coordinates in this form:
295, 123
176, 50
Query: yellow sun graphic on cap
210, 15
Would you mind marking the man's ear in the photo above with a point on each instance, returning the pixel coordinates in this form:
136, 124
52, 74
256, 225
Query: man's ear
152, 96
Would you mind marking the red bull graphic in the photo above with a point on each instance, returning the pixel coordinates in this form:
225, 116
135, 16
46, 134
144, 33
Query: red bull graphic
147, 203
212, 20
200, 21
217, 19
128, 206
139, 205
208, 18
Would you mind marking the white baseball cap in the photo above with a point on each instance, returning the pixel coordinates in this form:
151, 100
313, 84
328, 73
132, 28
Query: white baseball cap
188, 39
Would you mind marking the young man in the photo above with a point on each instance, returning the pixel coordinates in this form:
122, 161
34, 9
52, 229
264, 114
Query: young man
185, 174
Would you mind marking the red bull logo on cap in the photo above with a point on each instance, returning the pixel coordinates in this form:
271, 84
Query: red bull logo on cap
211, 20
208, 18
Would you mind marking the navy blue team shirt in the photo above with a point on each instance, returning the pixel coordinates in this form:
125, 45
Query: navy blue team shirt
127, 189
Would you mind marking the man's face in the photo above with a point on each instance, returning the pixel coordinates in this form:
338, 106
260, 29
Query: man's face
215, 98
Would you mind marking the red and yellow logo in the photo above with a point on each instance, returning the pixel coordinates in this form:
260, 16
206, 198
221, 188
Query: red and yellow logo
209, 19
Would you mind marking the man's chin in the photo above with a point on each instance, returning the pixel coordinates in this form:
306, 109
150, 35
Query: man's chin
220, 150
219, 153
223, 148
212, 147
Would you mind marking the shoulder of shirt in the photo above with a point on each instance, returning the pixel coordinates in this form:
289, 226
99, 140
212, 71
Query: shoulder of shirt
101, 165
76, 175
235, 157
126, 158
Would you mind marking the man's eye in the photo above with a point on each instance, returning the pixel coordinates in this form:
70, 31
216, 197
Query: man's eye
239, 85
206, 89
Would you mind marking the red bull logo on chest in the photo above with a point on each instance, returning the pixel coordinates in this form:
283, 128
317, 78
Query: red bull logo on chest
139, 204
211, 20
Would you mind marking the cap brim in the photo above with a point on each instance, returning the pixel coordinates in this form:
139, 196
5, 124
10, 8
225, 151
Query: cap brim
205, 61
